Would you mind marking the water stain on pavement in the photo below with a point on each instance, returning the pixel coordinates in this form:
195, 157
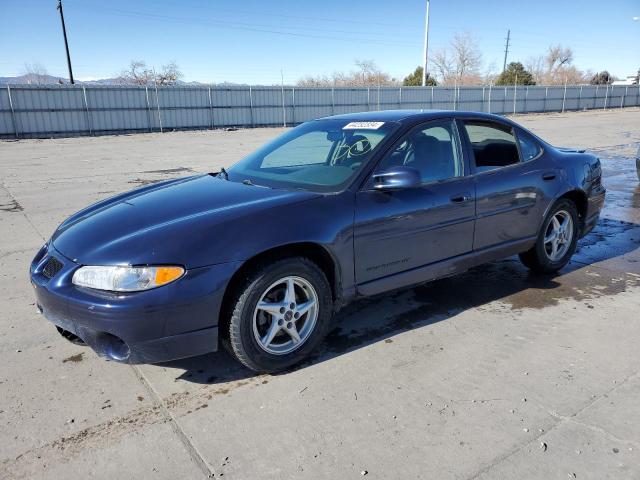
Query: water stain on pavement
12, 206
170, 171
74, 358
144, 181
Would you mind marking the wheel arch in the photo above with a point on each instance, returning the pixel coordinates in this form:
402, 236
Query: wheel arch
315, 252
579, 198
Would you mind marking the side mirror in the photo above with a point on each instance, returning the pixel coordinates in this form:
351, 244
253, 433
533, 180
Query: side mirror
397, 178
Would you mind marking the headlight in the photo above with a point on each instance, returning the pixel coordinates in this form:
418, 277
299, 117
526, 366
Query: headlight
126, 279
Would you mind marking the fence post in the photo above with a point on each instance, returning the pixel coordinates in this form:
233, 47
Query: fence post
158, 104
595, 99
146, 94
210, 109
293, 105
483, 98
333, 101
606, 96
515, 88
455, 88
284, 110
378, 96
13, 113
526, 97
253, 124
489, 98
564, 95
580, 98
431, 96
400, 98
546, 94
368, 99
86, 109
626, 91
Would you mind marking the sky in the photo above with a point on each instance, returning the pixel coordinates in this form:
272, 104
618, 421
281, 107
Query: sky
252, 41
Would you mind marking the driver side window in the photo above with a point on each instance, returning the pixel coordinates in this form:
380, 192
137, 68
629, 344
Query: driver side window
433, 149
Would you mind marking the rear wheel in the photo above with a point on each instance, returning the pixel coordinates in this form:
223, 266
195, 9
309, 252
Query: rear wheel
556, 241
281, 313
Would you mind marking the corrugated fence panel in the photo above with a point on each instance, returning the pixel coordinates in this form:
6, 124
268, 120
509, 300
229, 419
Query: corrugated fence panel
470, 98
48, 110
312, 103
417, 97
6, 120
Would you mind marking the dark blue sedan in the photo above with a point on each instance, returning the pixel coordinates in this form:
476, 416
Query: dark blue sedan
261, 256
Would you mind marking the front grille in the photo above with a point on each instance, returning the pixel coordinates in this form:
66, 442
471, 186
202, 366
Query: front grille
51, 267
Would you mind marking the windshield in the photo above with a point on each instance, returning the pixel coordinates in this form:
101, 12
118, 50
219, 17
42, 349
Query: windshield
322, 155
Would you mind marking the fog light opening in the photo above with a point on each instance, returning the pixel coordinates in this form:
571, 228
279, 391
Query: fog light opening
72, 337
115, 348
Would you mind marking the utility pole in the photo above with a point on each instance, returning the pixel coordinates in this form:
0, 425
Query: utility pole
425, 52
66, 44
506, 50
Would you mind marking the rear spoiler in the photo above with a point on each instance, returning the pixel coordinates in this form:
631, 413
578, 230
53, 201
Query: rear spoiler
570, 150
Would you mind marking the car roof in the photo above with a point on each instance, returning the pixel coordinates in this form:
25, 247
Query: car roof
409, 115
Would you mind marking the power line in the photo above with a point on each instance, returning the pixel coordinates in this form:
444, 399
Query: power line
255, 27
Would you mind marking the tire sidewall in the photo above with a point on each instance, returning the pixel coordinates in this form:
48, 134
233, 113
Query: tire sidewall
546, 262
251, 350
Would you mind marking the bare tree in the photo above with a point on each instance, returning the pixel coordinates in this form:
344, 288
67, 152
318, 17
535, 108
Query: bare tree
536, 65
459, 63
35, 73
555, 68
169, 74
558, 56
139, 74
366, 73
467, 58
443, 65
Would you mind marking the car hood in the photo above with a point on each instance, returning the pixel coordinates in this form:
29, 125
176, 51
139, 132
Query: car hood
172, 222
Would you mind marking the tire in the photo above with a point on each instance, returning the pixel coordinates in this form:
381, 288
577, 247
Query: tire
540, 257
250, 327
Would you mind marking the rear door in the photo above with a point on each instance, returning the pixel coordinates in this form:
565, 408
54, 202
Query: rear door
514, 182
400, 230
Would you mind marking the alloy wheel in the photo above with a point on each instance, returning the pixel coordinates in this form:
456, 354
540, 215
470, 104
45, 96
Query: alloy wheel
285, 315
558, 236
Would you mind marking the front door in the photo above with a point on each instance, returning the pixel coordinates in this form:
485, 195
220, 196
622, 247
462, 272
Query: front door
396, 231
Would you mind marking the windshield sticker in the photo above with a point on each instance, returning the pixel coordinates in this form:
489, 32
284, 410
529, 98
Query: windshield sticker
363, 126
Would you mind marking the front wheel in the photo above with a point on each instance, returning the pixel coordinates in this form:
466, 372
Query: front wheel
281, 313
556, 241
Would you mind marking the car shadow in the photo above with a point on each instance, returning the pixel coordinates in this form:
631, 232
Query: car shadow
508, 282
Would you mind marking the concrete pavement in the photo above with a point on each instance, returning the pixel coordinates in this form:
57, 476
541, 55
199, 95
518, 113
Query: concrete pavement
490, 374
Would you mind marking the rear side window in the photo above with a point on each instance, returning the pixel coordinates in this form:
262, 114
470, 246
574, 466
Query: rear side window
493, 145
529, 147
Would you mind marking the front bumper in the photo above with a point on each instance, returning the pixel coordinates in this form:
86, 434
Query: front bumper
170, 322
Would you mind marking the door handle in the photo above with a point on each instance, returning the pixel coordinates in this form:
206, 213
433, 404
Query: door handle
460, 198
549, 176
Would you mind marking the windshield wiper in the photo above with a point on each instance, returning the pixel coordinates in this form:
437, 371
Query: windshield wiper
223, 173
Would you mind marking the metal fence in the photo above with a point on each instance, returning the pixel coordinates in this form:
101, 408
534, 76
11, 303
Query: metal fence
36, 111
